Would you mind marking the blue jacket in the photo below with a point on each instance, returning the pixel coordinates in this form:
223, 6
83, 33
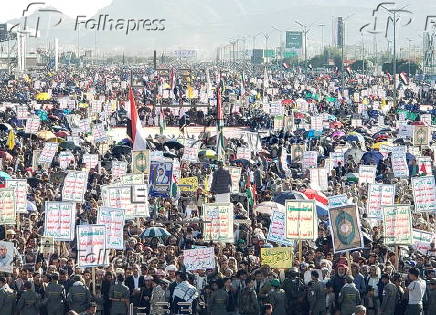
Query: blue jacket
359, 281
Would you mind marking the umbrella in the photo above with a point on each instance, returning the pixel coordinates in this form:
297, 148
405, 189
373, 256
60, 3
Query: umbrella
121, 149
56, 139
352, 177
155, 232
338, 134
5, 175
45, 135
207, 154
31, 207
6, 155
315, 195
355, 153
288, 195
372, 157
377, 145
43, 96
62, 134
241, 161
5, 126
68, 145
173, 144
268, 207
351, 138
321, 209
336, 124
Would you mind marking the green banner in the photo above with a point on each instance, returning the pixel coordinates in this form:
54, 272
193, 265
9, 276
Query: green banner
294, 40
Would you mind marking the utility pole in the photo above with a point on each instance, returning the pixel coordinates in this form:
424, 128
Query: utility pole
305, 29
410, 56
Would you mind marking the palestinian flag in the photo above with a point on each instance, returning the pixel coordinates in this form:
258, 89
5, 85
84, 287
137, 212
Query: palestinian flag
134, 125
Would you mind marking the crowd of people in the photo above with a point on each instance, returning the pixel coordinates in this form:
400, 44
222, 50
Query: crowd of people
148, 275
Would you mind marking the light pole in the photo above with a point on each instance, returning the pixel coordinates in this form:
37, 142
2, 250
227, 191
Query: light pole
280, 40
254, 40
410, 56
342, 52
306, 29
322, 37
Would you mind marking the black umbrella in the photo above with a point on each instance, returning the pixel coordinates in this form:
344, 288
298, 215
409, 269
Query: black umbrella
173, 144
68, 145
33, 181
121, 149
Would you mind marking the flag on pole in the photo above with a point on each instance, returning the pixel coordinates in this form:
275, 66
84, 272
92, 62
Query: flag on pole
11, 140
242, 84
220, 136
134, 125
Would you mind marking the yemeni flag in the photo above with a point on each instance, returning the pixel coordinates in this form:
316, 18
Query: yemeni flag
404, 78
134, 125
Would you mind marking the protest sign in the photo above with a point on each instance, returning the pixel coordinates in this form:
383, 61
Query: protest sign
91, 245
297, 151
199, 258
235, 174
424, 165
345, 228
277, 229
278, 122
139, 194
132, 179
121, 197
141, 161
74, 187
47, 246
60, 220
397, 225
301, 221
421, 135
48, 152
243, 154
337, 201
190, 154
20, 188
310, 159
188, 184
319, 178
7, 251
161, 174
99, 133
32, 125
7, 206
277, 257
421, 241
113, 219
337, 157
379, 195
367, 174
90, 160
118, 169
316, 123
85, 125
65, 159
355, 122
424, 193
399, 164
220, 227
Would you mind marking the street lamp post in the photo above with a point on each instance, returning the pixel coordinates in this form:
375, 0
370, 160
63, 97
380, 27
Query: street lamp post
280, 40
266, 45
306, 29
322, 37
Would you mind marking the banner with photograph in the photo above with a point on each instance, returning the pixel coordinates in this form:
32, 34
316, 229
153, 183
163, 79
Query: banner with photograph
424, 193
397, 225
379, 195
8, 214
91, 246
161, 174
219, 226
297, 151
7, 251
235, 174
74, 187
113, 219
199, 258
301, 220
60, 220
345, 228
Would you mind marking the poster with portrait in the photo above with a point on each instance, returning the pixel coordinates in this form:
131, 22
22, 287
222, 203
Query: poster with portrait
7, 250
297, 151
47, 245
141, 161
421, 135
345, 228
161, 174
